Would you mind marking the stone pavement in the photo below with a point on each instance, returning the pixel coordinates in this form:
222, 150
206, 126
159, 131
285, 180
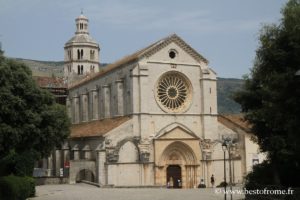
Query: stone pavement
88, 192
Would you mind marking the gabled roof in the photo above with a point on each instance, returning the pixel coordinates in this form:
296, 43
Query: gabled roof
145, 52
96, 128
234, 121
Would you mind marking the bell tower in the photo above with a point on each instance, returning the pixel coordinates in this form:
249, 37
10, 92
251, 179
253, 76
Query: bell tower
81, 53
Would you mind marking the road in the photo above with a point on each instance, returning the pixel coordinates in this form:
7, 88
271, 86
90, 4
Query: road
88, 192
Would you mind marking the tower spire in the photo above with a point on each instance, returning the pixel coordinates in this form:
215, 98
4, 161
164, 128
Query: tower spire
82, 24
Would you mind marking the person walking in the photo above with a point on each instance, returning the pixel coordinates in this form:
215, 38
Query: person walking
212, 180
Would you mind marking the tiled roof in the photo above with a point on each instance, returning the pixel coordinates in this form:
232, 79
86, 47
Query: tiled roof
235, 121
82, 38
145, 52
50, 82
96, 128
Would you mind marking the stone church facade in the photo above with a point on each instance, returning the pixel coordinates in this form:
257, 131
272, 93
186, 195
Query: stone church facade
149, 119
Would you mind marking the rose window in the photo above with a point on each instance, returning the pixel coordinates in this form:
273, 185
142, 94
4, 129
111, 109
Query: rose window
173, 91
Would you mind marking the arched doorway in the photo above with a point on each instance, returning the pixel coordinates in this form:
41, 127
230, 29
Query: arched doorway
86, 175
174, 176
177, 160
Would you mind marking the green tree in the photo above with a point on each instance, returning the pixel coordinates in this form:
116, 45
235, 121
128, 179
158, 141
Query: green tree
31, 123
270, 97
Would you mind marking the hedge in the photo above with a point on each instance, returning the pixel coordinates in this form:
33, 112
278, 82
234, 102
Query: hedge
16, 187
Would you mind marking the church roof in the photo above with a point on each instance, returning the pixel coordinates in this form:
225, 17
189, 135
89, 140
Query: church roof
50, 82
234, 121
96, 128
145, 52
81, 38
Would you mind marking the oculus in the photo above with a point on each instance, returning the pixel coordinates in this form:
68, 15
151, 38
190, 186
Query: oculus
173, 92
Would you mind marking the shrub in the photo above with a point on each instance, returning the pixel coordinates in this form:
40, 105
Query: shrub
19, 164
260, 176
201, 185
222, 184
16, 188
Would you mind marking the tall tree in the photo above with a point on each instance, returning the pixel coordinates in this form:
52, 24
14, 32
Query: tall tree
31, 123
271, 95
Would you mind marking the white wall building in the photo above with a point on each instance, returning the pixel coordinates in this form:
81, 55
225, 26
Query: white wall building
149, 119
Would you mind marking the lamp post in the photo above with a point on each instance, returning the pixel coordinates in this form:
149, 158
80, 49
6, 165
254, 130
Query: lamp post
224, 147
230, 176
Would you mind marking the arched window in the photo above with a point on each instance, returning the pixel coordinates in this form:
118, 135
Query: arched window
92, 68
78, 54
81, 69
81, 54
92, 54
78, 69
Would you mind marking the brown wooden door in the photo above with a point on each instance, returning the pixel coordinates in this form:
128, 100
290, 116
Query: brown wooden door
174, 176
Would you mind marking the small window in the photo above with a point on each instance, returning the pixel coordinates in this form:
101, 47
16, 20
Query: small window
81, 54
172, 54
80, 69
78, 54
92, 54
92, 67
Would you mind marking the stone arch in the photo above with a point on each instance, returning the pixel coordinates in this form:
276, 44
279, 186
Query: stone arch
86, 175
179, 154
128, 152
76, 166
178, 151
132, 143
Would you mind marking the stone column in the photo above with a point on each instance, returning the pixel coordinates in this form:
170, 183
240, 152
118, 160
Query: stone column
57, 162
66, 154
50, 165
84, 107
45, 163
101, 168
69, 108
106, 99
95, 103
75, 106
120, 97
76, 152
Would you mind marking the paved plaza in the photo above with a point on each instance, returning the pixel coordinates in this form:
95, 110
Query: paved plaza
88, 192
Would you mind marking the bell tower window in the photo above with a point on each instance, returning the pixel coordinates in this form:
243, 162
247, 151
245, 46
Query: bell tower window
81, 54
92, 54
92, 68
80, 69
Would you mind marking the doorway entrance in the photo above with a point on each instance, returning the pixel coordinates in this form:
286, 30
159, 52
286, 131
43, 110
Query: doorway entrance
174, 178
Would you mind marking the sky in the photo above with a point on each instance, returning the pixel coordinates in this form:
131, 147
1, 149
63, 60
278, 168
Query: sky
225, 32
